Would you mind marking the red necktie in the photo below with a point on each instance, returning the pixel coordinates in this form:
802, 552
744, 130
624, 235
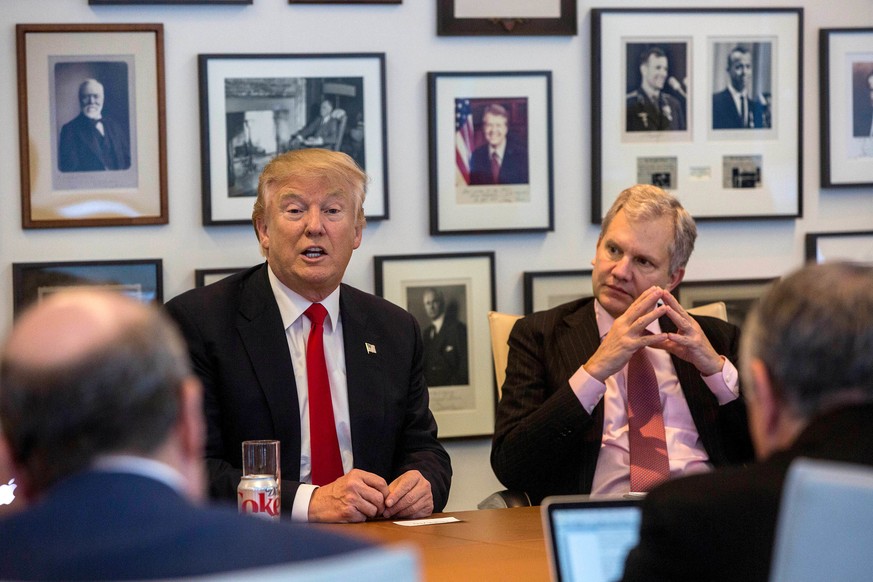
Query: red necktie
648, 447
495, 168
327, 464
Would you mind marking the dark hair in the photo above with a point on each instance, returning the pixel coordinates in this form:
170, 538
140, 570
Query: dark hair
656, 51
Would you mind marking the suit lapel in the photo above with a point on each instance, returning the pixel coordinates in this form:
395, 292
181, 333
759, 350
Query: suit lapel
263, 336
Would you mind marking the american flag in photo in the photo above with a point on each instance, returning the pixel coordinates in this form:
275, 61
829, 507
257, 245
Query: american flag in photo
463, 137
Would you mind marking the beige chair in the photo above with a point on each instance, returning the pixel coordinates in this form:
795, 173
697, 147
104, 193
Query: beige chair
500, 325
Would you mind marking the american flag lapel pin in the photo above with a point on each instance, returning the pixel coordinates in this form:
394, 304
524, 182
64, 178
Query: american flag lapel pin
371, 349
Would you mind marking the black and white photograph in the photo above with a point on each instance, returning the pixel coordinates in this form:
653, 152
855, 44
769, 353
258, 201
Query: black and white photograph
490, 152
662, 172
450, 296
742, 85
862, 100
256, 106
656, 83
659, 76
441, 311
93, 131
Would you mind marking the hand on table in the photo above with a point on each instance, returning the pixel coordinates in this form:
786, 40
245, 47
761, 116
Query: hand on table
410, 496
354, 497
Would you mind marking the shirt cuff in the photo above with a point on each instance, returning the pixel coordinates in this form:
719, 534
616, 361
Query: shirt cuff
588, 390
724, 384
300, 509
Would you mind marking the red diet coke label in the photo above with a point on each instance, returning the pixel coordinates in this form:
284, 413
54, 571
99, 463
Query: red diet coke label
259, 495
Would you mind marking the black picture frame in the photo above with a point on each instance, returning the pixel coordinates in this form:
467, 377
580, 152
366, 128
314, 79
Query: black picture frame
345, 1
855, 246
846, 77
204, 277
66, 180
176, 2
467, 284
450, 24
738, 295
546, 289
689, 144
250, 103
138, 278
462, 201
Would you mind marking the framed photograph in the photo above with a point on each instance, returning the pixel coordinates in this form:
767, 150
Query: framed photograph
204, 277
499, 17
846, 76
705, 103
490, 152
141, 279
546, 289
738, 295
256, 106
854, 246
92, 132
450, 295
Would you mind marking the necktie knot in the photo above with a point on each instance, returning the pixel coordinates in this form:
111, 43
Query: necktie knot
316, 314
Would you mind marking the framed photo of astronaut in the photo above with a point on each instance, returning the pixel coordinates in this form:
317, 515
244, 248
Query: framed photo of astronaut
855, 246
738, 295
141, 279
705, 103
546, 289
846, 77
450, 296
254, 107
490, 152
498, 17
92, 132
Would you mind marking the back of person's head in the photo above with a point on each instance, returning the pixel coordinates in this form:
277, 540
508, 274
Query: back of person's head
335, 170
648, 202
813, 330
88, 373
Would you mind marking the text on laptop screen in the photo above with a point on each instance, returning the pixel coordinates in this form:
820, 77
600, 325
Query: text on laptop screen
591, 543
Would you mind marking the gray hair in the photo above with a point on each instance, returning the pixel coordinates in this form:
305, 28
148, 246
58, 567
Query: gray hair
813, 330
647, 202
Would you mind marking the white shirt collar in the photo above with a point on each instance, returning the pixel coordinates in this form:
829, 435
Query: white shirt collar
605, 321
292, 304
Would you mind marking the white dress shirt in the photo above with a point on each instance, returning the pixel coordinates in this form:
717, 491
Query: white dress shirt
684, 447
297, 327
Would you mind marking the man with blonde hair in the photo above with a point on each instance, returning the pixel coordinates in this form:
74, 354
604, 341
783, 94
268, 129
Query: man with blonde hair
286, 351
615, 393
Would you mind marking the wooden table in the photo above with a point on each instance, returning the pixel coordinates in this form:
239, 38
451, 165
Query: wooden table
488, 544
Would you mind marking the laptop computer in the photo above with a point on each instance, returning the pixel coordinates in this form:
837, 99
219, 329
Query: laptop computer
588, 539
10, 500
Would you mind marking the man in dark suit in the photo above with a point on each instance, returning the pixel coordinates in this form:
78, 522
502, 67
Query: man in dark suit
92, 142
102, 418
735, 107
502, 159
248, 336
445, 344
649, 107
807, 371
562, 422
863, 111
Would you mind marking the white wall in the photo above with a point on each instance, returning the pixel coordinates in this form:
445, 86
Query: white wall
407, 34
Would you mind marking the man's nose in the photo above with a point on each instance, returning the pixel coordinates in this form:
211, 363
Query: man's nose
622, 268
314, 222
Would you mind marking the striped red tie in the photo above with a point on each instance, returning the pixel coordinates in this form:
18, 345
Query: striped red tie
648, 446
327, 464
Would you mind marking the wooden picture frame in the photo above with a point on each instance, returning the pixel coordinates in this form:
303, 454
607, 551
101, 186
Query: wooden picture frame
855, 246
138, 278
463, 397
846, 76
101, 163
253, 106
738, 295
691, 139
546, 289
490, 18
468, 195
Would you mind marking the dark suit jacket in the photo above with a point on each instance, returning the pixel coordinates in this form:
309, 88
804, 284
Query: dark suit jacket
327, 130
721, 525
513, 168
118, 526
726, 116
239, 350
83, 149
445, 354
645, 115
545, 443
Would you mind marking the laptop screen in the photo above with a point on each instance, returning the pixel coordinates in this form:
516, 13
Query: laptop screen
588, 540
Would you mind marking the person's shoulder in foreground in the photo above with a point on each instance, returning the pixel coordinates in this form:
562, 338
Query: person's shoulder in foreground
807, 366
102, 423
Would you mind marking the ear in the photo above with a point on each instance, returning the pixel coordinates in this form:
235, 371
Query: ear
766, 399
359, 235
192, 427
676, 278
263, 236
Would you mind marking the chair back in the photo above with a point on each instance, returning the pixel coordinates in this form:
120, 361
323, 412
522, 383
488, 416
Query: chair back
343, 120
823, 530
500, 324
717, 309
